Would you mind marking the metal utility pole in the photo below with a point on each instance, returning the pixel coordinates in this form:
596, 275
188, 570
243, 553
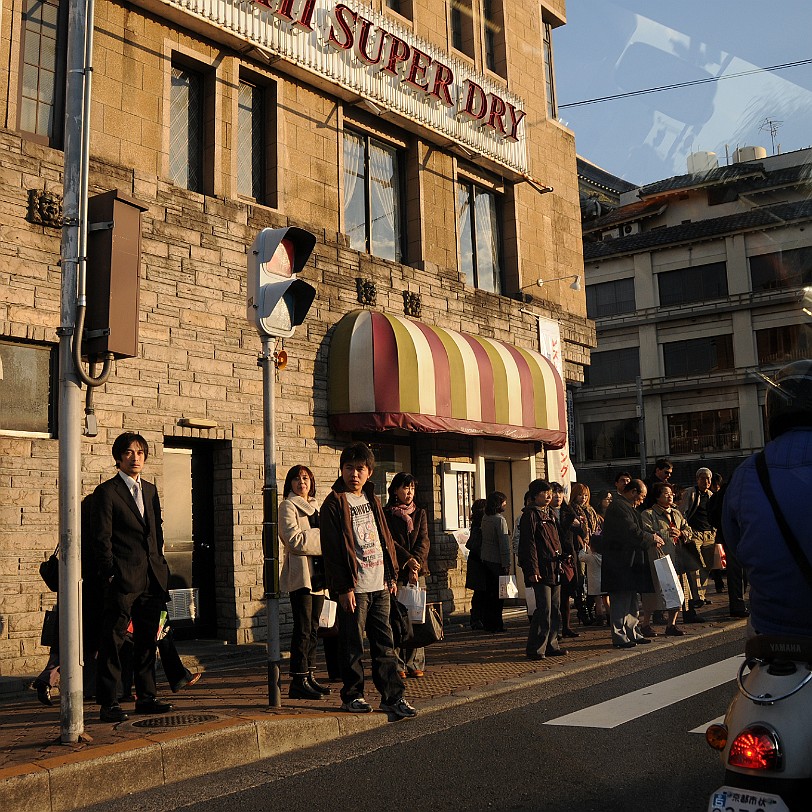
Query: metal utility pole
270, 519
77, 119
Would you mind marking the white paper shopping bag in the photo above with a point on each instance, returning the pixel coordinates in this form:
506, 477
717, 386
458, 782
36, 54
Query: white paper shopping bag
507, 587
413, 597
327, 618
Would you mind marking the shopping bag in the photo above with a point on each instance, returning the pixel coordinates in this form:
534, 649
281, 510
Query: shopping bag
507, 587
530, 597
328, 614
50, 628
719, 557
668, 584
413, 597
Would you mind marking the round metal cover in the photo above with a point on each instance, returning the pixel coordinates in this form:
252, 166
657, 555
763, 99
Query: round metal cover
175, 720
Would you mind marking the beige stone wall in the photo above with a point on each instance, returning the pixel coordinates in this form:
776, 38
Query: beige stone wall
197, 353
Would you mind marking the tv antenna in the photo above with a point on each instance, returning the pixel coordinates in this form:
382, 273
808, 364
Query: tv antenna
772, 126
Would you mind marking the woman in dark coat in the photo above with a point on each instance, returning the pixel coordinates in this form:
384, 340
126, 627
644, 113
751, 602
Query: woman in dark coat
625, 568
476, 578
409, 529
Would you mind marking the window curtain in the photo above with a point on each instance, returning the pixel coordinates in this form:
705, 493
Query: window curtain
487, 242
354, 206
464, 232
385, 230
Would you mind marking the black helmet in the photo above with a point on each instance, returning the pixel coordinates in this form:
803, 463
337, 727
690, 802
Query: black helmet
789, 403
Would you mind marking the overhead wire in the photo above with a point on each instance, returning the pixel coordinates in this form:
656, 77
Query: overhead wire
677, 85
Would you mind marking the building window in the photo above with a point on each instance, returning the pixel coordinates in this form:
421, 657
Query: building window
695, 284
42, 71
494, 22
373, 206
549, 71
251, 142
698, 432
480, 240
611, 439
613, 366
402, 7
186, 129
610, 298
27, 375
781, 345
462, 26
698, 356
783, 269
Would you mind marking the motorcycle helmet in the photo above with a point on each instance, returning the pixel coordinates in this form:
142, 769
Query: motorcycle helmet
789, 402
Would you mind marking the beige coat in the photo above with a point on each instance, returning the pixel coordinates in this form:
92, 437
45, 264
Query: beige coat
300, 543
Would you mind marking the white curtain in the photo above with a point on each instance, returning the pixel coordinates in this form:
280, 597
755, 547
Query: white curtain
354, 215
487, 241
385, 231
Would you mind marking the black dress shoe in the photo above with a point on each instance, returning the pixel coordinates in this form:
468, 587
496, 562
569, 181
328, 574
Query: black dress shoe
641, 641
187, 681
625, 644
534, 655
151, 704
112, 713
569, 633
316, 685
692, 617
740, 612
44, 693
556, 652
695, 603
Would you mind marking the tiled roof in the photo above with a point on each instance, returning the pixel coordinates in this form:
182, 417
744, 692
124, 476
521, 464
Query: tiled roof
633, 211
600, 177
765, 217
722, 174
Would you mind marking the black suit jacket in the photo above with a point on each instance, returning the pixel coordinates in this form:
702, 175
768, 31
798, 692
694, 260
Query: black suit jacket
127, 545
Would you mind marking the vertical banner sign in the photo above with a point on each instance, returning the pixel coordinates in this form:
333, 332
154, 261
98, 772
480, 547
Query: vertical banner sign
559, 465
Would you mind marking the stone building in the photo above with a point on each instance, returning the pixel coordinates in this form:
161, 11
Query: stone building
418, 141
696, 284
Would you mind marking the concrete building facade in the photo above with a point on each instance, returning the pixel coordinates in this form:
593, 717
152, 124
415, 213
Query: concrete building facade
696, 284
418, 141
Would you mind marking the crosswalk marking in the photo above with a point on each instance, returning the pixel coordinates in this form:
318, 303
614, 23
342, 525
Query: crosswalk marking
702, 728
652, 698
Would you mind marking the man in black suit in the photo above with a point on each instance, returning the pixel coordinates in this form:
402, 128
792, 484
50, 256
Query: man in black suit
128, 544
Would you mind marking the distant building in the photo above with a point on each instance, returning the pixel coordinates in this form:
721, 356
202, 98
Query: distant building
695, 284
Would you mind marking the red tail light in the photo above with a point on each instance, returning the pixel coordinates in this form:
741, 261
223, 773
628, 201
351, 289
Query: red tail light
756, 748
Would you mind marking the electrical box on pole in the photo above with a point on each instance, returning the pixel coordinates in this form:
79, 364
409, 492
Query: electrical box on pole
277, 301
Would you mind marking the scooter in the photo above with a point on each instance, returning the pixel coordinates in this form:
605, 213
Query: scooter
766, 737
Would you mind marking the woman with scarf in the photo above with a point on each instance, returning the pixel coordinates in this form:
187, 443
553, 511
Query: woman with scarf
409, 529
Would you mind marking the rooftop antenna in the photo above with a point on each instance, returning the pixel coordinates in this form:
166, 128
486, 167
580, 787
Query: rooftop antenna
772, 126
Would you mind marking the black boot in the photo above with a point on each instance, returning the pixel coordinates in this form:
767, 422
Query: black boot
316, 685
300, 688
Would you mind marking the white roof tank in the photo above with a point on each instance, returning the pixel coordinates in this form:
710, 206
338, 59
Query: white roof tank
700, 162
743, 154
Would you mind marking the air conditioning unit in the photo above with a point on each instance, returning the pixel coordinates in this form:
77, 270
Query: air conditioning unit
612, 234
630, 228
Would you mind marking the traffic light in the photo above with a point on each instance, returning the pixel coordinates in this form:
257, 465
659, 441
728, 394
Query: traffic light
277, 302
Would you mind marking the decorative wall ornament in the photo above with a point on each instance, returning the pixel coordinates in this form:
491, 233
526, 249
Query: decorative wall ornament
411, 304
367, 291
44, 208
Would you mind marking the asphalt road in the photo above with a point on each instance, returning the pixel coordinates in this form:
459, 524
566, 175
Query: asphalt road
499, 754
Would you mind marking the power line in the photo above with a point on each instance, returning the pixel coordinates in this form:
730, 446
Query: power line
685, 84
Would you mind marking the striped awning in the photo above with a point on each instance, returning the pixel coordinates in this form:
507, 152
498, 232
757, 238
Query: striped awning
388, 372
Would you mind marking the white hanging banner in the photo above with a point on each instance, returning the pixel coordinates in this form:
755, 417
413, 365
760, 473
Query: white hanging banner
559, 465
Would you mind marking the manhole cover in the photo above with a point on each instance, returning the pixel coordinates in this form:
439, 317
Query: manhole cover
176, 720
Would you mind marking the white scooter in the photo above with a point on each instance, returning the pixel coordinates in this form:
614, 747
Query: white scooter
766, 738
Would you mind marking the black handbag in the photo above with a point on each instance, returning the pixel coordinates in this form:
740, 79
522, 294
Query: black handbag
401, 623
49, 570
424, 634
318, 578
50, 628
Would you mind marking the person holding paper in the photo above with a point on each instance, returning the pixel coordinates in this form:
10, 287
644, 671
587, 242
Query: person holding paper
495, 555
409, 528
303, 577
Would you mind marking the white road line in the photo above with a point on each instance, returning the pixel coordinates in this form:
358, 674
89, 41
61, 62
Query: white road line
702, 728
647, 700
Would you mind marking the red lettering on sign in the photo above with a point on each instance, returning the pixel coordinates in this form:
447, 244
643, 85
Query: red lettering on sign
418, 68
342, 15
443, 78
516, 117
399, 51
476, 103
285, 12
496, 116
362, 45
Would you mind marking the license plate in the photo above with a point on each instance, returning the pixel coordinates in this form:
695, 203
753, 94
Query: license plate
732, 799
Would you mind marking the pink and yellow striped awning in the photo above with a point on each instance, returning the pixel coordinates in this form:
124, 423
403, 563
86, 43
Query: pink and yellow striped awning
388, 372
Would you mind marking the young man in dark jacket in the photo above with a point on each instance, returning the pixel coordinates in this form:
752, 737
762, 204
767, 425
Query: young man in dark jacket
362, 570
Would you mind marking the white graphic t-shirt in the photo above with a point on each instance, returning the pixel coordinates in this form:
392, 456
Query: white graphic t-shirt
368, 549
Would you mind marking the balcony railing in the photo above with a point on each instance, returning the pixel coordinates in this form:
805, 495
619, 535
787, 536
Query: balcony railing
700, 443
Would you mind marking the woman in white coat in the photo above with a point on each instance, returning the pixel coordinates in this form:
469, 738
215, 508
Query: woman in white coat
303, 577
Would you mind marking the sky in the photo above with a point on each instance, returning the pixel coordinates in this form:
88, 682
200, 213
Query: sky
617, 46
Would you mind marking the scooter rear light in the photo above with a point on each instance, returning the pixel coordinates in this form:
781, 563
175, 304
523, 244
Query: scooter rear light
716, 736
756, 748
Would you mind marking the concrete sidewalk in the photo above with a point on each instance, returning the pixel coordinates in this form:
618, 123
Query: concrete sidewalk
224, 720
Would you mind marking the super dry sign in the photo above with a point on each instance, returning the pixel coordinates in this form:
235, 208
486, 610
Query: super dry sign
408, 64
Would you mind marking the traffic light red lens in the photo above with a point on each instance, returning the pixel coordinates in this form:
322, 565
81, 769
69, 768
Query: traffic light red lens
755, 748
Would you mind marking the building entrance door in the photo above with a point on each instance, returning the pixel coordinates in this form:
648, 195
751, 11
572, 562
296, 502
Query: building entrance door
188, 507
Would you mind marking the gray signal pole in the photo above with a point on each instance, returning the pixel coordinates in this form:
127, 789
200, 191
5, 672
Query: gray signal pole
270, 513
